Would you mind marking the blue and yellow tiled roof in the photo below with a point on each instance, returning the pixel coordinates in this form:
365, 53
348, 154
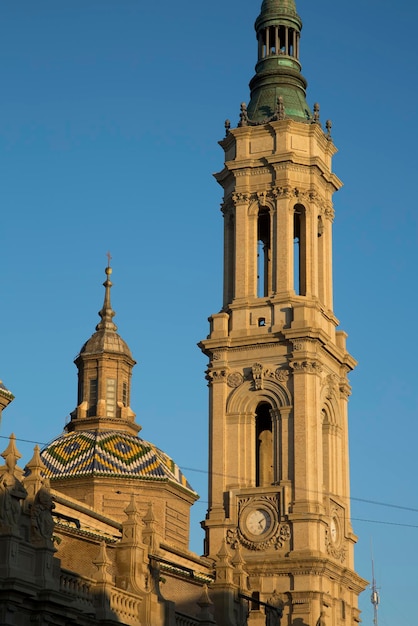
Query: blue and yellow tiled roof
109, 453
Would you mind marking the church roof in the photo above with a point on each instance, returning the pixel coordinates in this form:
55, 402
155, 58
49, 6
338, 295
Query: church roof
106, 341
109, 453
4, 391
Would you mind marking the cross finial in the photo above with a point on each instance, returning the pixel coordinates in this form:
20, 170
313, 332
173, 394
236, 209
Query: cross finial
106, 312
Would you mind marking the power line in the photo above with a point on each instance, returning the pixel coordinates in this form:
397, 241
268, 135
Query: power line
376, 521
352, 498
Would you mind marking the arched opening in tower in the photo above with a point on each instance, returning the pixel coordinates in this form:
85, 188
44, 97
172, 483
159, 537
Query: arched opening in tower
299, 256
263, 253
264, 446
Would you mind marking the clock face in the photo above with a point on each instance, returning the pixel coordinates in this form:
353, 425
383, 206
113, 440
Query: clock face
258, 522
333, 527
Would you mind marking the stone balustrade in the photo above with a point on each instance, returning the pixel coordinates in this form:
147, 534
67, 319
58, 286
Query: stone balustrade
186, 620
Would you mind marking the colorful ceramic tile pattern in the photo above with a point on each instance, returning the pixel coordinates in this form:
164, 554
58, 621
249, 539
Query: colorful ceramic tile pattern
109, 453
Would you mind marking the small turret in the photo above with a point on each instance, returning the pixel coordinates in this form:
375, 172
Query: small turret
104, 376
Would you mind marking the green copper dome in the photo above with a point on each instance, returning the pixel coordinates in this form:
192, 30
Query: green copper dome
278, 69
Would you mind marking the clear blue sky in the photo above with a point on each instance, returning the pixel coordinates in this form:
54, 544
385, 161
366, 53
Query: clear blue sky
110, 113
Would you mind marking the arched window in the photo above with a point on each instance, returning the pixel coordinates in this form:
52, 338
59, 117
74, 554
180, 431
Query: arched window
326, 478
299, 238
263, 253
125, 394
93, 397
229, 258
322, 261
264, 446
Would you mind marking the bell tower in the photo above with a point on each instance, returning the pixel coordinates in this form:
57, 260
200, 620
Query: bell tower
278, 461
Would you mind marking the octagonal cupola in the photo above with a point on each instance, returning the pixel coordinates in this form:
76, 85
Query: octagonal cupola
104, 376
278, 87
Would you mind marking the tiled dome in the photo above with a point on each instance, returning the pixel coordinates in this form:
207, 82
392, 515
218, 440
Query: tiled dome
109, 453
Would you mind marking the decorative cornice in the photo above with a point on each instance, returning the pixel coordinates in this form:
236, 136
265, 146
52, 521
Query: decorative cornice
253, 171
274, 193
290, 167
220, 352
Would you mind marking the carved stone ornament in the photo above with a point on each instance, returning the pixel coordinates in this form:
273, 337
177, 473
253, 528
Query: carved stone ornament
42, 524
304, 343
277, 541
261, 197
235, 379
329, 385
334, 533
274, 610
338, 552
280, 192
282, 375
12, 491
270, 194
232, 537
327, 210
216, 376
227, 207
258, 375
238, 198
284, 535
331, 380
259, 525
307, 367
345, 390
309, 195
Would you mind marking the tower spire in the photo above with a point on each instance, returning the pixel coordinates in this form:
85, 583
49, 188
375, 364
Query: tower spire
106, 312
278, 69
